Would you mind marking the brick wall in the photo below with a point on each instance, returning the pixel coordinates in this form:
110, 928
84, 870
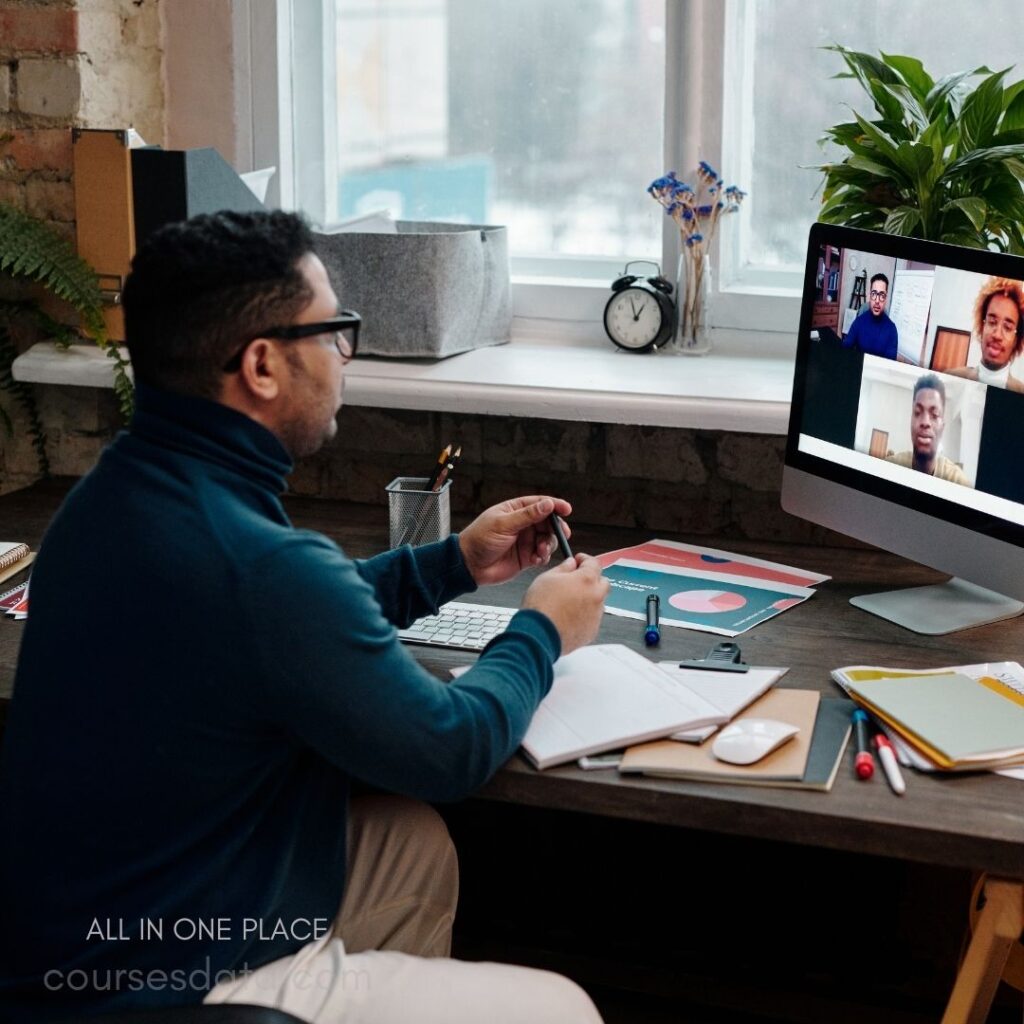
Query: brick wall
94, 64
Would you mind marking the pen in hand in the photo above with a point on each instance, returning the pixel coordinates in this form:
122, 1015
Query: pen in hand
563, 544
889, 763
652, 632
864, 763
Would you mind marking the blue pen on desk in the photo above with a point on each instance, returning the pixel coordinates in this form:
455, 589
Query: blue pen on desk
652, 633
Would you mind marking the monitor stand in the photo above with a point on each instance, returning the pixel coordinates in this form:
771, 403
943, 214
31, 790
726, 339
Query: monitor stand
942, 608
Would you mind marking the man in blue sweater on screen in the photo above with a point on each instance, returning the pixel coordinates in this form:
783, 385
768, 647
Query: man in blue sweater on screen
873, 332
200, 683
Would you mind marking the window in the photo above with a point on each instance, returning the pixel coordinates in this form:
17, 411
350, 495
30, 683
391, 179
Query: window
553, 117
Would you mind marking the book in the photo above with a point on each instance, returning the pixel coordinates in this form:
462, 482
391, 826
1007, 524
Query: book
604, 697
14, 556
957, 722
1010, 673
671, 759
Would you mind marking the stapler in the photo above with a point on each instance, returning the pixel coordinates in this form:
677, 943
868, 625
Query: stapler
723, 657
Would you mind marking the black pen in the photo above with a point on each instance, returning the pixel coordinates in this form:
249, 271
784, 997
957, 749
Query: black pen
563, 544
652, 634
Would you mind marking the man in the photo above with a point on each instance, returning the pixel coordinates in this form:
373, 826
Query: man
927, 423
999, 326
872, 332
200, 682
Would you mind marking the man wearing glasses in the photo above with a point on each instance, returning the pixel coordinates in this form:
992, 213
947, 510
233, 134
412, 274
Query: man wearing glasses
999, 330
873, 332
200, 683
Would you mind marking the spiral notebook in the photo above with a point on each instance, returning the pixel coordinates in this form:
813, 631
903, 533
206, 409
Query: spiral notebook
14, 557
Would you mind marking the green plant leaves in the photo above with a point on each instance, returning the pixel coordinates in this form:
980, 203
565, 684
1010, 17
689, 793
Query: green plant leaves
942, 160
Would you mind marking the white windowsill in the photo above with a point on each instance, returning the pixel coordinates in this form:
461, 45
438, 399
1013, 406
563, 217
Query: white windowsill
544, 372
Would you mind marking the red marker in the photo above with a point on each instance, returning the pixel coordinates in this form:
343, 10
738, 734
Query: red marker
863, 763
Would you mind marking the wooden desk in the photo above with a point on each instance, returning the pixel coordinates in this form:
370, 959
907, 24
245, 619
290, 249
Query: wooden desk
974, 822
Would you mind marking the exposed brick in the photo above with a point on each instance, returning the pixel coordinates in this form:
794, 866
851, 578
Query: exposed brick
752, 460
38, 29
5, 88
13, 194
40, 149
50, 200
654, 453
546, 446
49, 88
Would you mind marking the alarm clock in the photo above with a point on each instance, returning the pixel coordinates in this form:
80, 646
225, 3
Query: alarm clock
640, 315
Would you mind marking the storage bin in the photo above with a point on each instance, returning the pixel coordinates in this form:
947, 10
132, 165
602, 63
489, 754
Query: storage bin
426, 290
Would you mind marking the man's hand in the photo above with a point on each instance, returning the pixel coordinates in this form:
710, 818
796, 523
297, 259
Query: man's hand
572, 596
510, 537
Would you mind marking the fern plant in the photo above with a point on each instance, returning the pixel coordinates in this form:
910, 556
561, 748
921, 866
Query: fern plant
31, 250
941, 159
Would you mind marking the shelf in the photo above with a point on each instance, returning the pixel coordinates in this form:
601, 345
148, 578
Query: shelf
736, 388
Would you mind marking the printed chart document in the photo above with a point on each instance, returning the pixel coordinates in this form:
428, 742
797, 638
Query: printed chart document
604, 697
716, 603
712, 560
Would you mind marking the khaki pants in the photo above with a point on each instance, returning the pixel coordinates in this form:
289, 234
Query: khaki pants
386, 961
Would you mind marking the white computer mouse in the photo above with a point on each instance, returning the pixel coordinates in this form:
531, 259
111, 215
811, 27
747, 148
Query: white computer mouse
749, 739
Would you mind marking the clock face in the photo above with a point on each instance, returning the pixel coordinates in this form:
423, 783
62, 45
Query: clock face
633, 318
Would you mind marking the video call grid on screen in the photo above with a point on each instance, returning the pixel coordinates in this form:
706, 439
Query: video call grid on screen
893, 405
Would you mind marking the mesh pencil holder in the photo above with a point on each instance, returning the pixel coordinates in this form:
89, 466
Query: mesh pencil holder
417, 515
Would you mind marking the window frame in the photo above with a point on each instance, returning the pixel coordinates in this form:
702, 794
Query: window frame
702, 94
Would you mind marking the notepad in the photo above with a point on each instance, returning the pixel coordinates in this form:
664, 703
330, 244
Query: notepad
788, 763
604, 697
14, 556
957, 721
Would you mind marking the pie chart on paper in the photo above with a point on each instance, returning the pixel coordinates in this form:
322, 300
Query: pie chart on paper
707, 602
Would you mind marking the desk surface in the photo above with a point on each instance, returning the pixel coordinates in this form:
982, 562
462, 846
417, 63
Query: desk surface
967, 821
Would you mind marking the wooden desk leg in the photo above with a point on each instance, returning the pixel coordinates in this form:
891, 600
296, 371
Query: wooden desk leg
998, 927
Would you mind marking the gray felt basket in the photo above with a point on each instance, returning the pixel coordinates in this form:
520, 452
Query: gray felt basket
428, 290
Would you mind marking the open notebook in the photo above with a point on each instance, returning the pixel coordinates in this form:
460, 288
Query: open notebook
604, 697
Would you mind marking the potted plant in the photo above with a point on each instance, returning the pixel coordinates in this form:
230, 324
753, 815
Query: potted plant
941, 159
31, 250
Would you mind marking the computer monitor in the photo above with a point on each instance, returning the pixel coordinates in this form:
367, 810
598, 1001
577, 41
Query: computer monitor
907, 423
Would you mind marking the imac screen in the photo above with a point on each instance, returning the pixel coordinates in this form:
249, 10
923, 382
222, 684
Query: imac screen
909, 378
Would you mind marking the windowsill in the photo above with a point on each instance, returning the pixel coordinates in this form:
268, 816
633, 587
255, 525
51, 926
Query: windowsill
547, 371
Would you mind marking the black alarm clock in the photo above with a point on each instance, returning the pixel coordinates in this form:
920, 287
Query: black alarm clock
640, 315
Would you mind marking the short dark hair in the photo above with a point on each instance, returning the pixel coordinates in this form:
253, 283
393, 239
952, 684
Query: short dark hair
881, 277
931, 383
199, 289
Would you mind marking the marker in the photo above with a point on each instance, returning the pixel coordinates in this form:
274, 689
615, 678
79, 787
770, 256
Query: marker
652, 634
563, 544
864, 763
889, 763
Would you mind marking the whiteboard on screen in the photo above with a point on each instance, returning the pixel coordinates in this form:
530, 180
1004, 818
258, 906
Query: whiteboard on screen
911, 302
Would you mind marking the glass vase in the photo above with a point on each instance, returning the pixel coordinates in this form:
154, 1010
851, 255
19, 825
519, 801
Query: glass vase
694, 291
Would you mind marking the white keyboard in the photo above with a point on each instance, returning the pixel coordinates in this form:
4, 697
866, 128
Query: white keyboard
462, 626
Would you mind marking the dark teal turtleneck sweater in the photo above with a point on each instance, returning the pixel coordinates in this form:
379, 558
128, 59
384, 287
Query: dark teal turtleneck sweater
198, 682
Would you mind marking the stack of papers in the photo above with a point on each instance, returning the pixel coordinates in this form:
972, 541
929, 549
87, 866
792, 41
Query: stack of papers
702, 588
958, 719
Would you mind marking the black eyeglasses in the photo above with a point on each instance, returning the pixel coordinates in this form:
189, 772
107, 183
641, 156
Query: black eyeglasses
344, 327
